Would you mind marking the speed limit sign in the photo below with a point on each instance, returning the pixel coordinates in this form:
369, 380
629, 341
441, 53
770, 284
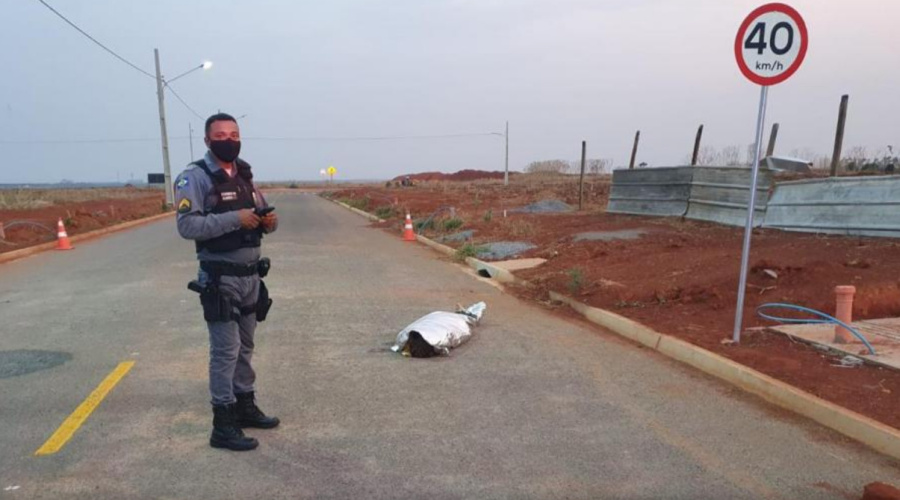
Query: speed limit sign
771, 44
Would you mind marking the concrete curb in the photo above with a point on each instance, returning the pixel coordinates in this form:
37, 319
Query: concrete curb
876, 435
43, 247
481, 267
357, 211
444, 249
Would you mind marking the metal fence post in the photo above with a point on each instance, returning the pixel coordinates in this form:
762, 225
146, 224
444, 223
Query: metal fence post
697, 146
637, 138
839, 135
581, 181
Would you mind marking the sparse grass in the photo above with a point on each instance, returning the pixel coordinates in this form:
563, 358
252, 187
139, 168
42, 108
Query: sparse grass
488, 216
467, 250
357, 203
385, 212
424, 225
576, 280
23, 199
520, 228
453, 224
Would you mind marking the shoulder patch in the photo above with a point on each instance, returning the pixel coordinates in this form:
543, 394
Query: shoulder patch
184, 206
182, 183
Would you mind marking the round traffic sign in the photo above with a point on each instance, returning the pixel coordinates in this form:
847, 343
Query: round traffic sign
771, 44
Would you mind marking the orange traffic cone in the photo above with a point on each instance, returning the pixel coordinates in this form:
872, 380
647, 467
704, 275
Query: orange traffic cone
62, 239
408, 233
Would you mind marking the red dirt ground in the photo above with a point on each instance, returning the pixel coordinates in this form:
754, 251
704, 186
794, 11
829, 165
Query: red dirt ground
462, 175
680, 278
880, 491
79, 217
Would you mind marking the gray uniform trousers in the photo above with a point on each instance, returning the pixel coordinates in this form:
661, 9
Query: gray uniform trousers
231, 342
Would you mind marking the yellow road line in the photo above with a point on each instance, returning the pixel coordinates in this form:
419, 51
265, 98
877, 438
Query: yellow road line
71, 424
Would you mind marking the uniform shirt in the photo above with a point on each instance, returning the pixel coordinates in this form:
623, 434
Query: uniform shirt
194, 199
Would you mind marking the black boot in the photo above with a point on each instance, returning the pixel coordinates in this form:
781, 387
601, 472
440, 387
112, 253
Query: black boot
226, 432
249, 415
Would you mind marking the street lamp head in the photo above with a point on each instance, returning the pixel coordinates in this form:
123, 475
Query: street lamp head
205, 66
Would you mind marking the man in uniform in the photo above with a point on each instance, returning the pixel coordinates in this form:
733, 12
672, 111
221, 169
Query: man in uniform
223, 212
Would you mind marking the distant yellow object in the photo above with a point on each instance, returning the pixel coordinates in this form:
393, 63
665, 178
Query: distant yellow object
332, 171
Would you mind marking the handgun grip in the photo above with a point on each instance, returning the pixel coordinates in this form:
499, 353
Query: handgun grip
195, 286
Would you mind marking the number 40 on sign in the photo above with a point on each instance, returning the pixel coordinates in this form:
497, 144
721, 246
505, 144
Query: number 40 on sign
771, 44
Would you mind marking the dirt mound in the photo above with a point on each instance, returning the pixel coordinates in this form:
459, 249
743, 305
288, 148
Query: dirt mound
462, 175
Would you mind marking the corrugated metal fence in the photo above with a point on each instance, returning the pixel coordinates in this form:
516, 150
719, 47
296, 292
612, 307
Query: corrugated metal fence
717, 194
722, 194
857, 206
651, 191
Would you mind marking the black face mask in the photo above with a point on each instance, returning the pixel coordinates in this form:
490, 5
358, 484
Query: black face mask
226, 150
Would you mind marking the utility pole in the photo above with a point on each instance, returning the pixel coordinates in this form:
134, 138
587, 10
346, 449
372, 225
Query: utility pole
581, 181
167, 172
839, 135
506, 163
191, 139
637, 138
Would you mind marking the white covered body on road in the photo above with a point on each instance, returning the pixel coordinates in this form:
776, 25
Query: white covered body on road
443, 330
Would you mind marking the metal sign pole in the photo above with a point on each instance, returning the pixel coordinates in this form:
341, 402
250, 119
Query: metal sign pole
751, 208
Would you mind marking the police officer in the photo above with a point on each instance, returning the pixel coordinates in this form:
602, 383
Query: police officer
223, 212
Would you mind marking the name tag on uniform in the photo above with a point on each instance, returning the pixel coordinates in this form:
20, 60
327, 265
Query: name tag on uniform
229, 196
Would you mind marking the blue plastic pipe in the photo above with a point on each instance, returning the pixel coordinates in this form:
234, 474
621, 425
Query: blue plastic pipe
822, 319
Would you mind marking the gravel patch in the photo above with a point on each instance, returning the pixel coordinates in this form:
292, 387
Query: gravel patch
545, 207
458, 237
503, 249
624, 234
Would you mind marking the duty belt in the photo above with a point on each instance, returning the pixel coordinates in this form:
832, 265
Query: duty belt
229, 269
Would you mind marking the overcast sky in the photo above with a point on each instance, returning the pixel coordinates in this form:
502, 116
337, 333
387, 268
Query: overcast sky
560, 71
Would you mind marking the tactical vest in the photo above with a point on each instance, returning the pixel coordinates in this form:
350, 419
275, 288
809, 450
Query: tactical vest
231, 194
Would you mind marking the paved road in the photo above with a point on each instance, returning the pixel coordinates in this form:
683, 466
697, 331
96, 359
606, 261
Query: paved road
534, 407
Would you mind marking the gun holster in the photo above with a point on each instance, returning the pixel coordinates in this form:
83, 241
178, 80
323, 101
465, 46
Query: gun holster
264, 303
263, 266
217, 306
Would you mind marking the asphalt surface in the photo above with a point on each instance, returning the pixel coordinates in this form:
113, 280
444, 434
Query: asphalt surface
535, 406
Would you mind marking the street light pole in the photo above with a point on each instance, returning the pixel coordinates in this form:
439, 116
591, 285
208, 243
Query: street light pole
167, 172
